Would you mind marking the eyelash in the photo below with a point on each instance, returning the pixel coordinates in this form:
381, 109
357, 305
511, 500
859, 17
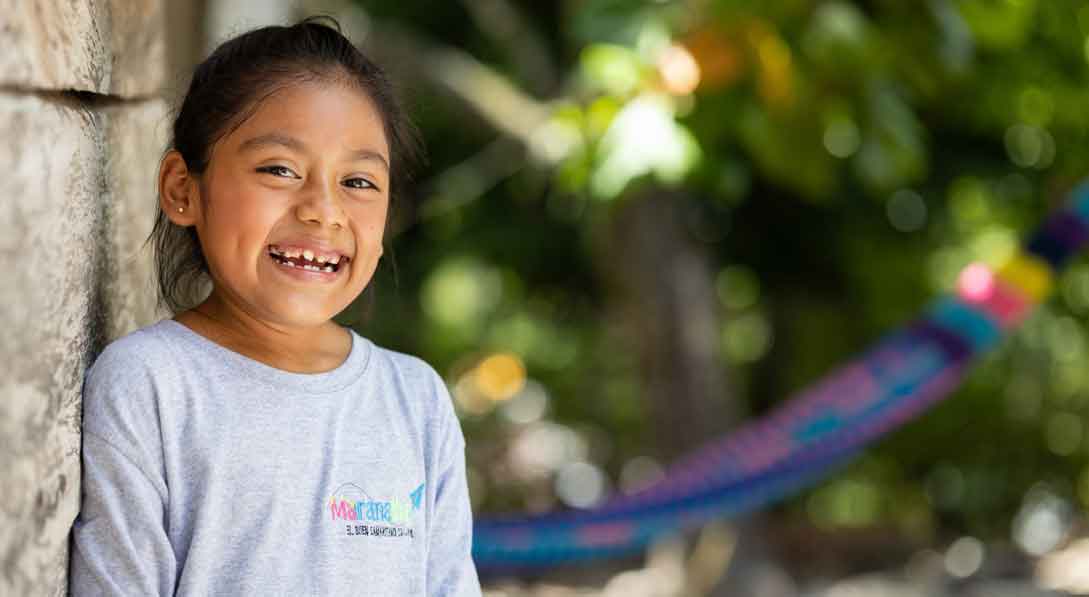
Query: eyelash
273, 169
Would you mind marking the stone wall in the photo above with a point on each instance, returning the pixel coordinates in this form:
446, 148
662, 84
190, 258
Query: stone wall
82, 126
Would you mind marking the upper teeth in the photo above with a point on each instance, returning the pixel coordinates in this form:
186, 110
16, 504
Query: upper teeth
305, 254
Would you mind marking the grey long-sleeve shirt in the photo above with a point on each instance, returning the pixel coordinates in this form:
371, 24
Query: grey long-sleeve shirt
209, 473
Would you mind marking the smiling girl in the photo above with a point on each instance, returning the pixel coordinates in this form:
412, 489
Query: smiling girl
251, 445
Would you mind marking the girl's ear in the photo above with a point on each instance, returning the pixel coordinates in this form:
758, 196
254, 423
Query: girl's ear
179, 193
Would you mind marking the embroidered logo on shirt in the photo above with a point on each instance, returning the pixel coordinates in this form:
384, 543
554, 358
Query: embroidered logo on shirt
374, 517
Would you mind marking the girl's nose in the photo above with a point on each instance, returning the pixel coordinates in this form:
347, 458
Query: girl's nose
320, 204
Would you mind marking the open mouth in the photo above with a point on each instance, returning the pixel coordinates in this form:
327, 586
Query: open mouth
306, 260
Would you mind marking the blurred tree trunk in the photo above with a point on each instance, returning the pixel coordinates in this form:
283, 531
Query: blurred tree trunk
665, 294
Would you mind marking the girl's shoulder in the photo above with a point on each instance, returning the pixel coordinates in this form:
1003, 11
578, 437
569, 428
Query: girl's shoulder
121, 391
137, 352
416, 380
408, 367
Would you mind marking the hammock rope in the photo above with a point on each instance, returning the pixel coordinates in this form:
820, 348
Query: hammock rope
817, 431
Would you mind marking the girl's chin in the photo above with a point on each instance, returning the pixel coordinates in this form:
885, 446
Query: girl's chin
289, 318
300, 309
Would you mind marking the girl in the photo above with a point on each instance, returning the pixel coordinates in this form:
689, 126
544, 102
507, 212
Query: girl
250, 445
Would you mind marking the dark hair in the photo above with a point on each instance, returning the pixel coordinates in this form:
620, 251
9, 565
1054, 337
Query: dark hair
228, 87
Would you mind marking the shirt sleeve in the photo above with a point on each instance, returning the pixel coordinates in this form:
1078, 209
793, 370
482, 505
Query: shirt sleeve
119, 541
450, 568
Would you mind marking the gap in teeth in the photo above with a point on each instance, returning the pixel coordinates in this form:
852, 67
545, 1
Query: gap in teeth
320, 261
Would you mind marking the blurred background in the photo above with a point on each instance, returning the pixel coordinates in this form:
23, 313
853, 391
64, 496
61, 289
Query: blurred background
643, 223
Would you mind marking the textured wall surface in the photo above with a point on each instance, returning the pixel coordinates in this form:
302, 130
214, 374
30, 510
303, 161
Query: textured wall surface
78, 200
136, 134
109, 47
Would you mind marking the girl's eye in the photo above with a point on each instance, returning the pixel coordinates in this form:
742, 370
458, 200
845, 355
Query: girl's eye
281, 171
360, 183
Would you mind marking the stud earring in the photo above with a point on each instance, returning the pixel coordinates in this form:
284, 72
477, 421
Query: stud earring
181, 209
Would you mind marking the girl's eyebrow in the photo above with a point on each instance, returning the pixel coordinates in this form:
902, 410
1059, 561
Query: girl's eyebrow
297, 145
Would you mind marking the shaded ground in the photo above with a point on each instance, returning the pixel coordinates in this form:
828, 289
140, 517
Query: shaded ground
809, 563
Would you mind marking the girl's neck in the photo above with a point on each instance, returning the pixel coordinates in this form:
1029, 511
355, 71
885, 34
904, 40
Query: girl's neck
296, 349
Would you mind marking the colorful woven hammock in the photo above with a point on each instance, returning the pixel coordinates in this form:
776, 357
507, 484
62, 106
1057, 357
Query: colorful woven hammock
813, 433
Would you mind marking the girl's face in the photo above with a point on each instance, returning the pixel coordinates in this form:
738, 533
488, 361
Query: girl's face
300, 188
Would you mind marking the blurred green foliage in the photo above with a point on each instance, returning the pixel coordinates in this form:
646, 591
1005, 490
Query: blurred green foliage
849, 158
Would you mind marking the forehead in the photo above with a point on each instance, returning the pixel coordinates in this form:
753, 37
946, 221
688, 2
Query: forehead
329, 116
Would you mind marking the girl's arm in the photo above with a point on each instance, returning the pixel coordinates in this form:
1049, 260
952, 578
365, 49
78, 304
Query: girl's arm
119, 543
450, 568
119, 539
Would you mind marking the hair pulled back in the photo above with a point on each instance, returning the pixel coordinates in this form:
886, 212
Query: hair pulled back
229, 86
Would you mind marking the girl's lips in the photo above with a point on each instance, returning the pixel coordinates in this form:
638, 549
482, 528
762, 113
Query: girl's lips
306, 275
300, 246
